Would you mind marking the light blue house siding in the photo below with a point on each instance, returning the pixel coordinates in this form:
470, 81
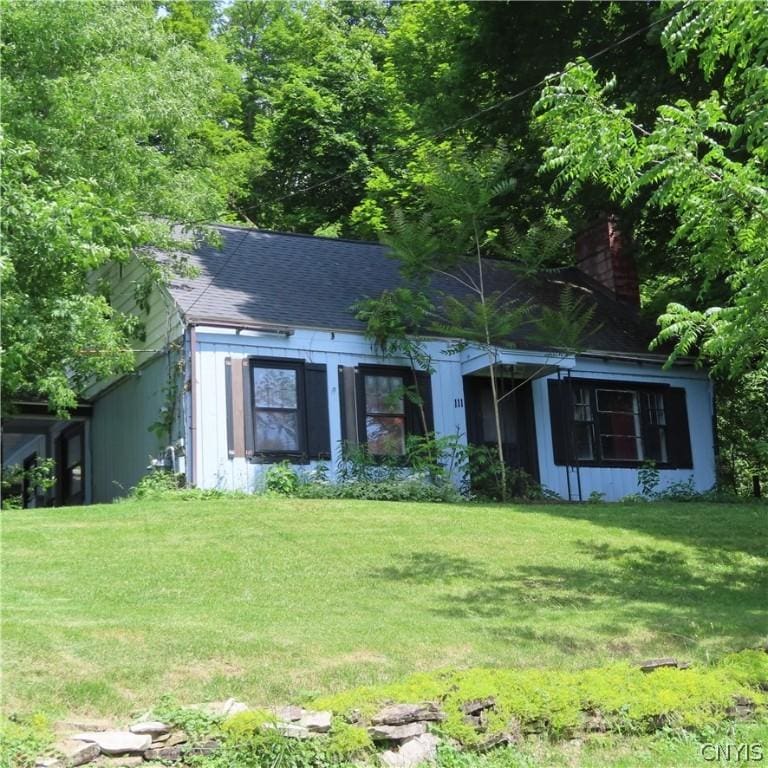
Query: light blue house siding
615, 482
207, 445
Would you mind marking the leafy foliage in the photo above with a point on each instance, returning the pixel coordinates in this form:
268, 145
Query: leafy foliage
702, 161
113, 127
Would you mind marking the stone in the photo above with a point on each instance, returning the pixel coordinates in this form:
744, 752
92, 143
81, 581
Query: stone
204, 749
512, 734
160, 739
126, 761
288, 714
413, 752
400, 714
396, 732
316, 722
290, 730
117, 742
176, 738
77, 752
478, 705
152, 727
48, 762
535, 726
170, 754
741, 709
651, 664
594, 722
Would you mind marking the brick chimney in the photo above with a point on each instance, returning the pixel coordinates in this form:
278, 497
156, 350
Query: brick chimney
603, 253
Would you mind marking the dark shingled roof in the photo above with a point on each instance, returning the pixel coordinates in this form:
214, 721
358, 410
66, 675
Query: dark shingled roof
279, 279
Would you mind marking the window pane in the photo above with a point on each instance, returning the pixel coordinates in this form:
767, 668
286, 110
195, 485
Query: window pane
74, 450
618, 424
386, 435
383, 394
582, 442
274, 387
655, 444
276, 431
616, 400
75, 480
620, 447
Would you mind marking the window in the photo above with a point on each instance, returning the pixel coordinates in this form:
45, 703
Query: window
385, 414
618, 413
613, 424
276, 409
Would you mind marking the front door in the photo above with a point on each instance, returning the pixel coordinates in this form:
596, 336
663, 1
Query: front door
70, 466
518, 432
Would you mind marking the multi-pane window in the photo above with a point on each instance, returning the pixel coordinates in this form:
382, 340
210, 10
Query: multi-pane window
385, 415
618, 413
602, 423
276, 409
583, 429
655, 438
613, 424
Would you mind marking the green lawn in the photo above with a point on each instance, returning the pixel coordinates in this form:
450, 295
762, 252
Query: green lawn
105, 608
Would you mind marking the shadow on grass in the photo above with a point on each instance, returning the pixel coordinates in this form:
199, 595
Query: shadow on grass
430, 567
690, 598
717, 527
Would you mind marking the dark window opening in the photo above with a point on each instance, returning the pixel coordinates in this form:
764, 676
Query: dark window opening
616, 424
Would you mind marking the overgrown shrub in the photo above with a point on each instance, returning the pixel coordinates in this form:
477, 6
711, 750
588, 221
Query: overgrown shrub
282, 479
161, 484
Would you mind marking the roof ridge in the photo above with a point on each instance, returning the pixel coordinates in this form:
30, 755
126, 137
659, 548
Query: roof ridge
254, 230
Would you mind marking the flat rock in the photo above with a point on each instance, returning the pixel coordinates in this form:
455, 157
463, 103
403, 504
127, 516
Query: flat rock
397, 732
48, 762
288, 714
400, 714
126, 761
151, 727
169, 754
206, 748
316, 722
478, 705
650, 664
176, 738
77, 752
290, 730
414, 752
117, 742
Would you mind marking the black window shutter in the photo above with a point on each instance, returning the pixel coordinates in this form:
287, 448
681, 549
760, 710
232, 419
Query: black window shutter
414, 425
678, 431
316, 400
561, 419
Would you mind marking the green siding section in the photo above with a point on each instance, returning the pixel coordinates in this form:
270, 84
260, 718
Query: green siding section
121, 442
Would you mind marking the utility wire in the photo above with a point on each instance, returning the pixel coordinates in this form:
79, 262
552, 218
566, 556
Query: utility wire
437, 134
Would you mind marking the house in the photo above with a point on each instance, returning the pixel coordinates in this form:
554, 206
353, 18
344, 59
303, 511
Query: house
258, 358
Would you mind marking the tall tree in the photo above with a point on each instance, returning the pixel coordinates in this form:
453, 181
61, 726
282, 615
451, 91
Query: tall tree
315, 104
703, 161
114, 128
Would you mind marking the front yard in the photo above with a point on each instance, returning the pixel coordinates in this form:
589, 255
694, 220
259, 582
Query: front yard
106, 608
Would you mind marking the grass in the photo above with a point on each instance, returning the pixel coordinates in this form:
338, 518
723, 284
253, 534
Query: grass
106, 608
